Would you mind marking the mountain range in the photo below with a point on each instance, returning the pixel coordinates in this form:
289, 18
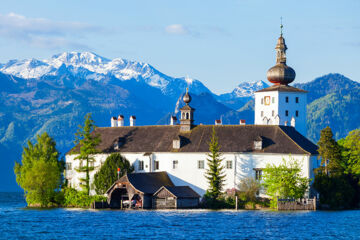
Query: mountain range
53, 95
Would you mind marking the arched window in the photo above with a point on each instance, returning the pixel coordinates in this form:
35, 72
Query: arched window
183, 115
187, 115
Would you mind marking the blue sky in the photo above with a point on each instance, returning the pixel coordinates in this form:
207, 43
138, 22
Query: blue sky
221, 43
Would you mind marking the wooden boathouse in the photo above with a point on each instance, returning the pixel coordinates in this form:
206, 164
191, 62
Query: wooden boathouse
175, 197
150, 190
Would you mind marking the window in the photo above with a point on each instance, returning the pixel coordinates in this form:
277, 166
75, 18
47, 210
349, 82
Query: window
141, 165
273, 100
297, 113
258, 174
201, 164
286, 113
262, 113
156, 165
287, 99
272, 113
175, 164
91, 164
262, 101
297, 99
257, 144
68, 166
229, 164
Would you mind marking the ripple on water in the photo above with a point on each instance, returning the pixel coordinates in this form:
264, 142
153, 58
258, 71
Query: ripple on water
17, 222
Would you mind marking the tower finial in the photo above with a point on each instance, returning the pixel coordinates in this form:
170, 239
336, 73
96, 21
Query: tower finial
281, 26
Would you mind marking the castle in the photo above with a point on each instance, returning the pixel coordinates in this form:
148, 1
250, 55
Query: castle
181, 150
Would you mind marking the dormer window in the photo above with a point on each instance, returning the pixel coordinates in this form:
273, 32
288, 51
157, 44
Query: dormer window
177, 143
258, 143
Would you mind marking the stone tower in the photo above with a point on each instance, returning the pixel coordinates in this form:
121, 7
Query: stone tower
187, 113
281, 104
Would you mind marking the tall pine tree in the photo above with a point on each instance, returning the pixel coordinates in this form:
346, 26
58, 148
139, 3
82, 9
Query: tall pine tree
87, 141
215, 174
330, 152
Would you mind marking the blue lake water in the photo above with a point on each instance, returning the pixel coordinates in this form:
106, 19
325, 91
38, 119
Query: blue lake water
17, 222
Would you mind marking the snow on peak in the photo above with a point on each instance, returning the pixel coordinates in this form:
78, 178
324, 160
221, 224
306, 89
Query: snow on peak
189, 80
247, 89
77, 59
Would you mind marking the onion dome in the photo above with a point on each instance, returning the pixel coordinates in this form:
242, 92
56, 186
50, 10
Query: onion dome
281, 74
187, 97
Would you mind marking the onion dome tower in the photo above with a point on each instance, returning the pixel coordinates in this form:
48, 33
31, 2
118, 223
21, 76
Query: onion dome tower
281, 104
187, 113
281, 74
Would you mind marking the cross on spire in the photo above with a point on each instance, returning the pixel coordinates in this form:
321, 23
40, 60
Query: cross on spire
281, 26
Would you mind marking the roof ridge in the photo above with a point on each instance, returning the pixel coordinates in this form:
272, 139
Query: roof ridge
293, 140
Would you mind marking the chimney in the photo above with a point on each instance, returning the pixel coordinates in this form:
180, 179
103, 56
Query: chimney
132, 121
120, 121
218, 122
173, 120
113, 122
242, 122
292, 122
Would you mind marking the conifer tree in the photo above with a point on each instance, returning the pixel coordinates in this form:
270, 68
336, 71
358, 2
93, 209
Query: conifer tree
107, 174
330, 152
215, 174
87, 141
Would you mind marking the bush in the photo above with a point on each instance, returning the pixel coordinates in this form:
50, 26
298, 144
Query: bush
74, 198
335, 191
222, 202
248, 188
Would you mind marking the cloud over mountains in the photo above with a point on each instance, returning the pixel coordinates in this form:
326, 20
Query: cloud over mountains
42, 32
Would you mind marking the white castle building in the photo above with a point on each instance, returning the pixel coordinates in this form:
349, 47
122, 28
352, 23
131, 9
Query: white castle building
181, 149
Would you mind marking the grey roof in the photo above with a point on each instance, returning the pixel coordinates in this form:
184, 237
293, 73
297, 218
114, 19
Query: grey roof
180, 191
282, 88
232, 138
147, 183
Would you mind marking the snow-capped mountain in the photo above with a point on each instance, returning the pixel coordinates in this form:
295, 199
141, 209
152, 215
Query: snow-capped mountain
241, 94
90, 66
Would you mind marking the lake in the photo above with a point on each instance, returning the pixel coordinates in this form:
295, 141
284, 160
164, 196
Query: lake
18, 222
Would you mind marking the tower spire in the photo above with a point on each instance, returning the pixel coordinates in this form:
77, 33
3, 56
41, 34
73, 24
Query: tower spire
281, 74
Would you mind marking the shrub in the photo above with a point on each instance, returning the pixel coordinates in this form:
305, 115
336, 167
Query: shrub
74, 198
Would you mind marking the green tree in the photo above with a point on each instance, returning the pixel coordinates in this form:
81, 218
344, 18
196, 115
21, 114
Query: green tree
39, 172
87, 142
329, 152
107, 174
350, 147
215, 174
284, 181
336, 191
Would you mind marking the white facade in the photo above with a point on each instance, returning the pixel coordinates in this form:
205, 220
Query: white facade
183, 168
278, 108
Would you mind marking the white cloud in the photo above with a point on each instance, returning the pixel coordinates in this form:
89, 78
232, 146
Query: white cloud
41, 32
177, 29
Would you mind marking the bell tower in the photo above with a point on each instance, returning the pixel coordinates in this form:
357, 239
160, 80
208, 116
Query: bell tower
281, 104
187, 113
